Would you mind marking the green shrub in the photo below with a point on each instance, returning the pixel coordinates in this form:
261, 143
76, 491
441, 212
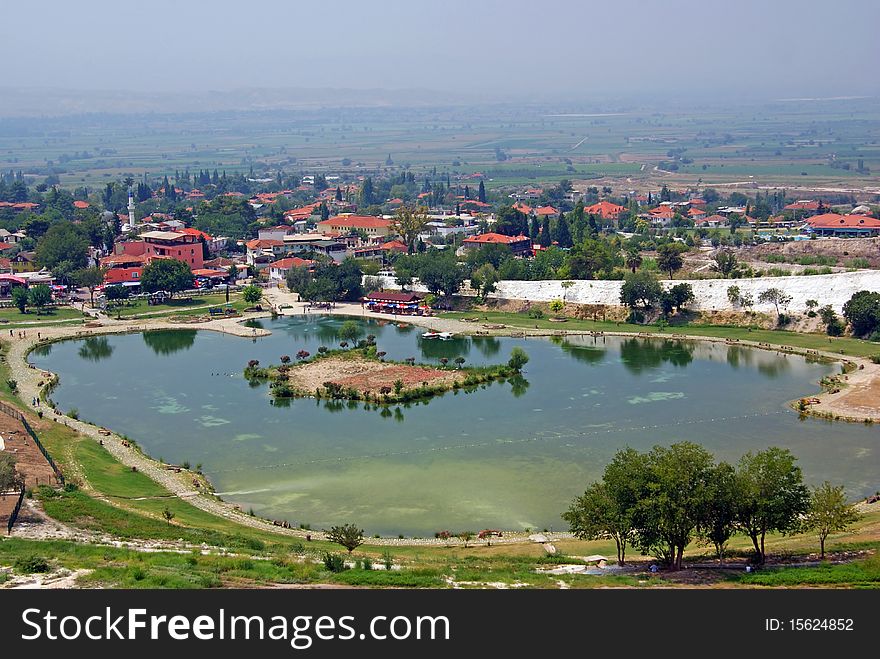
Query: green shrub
537, 314
333, 562
859, 262
12, 384
32, 564
73, 413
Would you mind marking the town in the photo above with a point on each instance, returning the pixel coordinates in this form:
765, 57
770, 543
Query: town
485, 317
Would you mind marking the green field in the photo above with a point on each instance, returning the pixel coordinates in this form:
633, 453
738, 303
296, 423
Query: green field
777, 143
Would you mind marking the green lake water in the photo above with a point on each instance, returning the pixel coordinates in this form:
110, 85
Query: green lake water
508, 456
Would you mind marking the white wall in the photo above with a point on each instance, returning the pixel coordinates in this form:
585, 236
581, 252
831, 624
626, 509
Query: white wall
710, 294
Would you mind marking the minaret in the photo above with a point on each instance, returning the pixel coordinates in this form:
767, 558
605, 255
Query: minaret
130, 209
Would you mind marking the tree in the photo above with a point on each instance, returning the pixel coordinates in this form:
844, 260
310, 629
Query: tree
598, 514
681, 295
10, 477
484, 279
829, 512
116, 294
63, 250
168, 515
563, 233
733, 294
633, 258
40, 296
481, 193
568, 283
862, 312
409, 223
252, 294
775, 296
440, 272
518, 359
674, 501
20, 298
833, 325
166, 275
725, 263
556, 305
544, 238
90, 278
772, 496
640, 290
349, 331
347, 535
465, 537
719, 521
591, 258
669, 259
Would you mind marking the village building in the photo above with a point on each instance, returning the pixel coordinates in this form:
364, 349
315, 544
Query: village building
278, 269
847, 226
605, 209
519, 245
368, 224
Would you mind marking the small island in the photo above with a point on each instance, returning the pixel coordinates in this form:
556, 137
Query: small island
363, 373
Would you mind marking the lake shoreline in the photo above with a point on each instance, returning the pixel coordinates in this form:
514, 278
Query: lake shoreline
34, 382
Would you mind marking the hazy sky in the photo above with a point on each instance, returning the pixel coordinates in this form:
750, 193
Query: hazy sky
767, 48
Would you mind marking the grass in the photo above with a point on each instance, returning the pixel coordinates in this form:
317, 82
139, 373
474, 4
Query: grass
863, 573
842, 345
51, 314
196, 305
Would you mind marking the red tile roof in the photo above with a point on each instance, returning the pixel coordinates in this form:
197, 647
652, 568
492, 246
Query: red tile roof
196, 233
5, 246
495, 239
356, 222
523, 208
835, 221
546, 210
291, 262
263, 244
395, 246
80, 204
391, 296
605, 209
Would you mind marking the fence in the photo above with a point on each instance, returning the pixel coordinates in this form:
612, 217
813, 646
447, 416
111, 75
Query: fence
14, 514
16, 414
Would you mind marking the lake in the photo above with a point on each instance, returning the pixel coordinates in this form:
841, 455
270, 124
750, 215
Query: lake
509, 455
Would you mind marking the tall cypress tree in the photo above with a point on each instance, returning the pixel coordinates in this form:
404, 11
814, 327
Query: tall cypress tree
563, 234
481, 193
545, 239
535, 230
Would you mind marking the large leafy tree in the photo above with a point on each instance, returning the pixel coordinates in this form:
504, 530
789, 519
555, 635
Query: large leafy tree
772, 496
829, 512
511, 222
862, 311
590, 259
640, 290
674, 501
166, 275
409, 222
40, 296
63, 249
606, 509
775, 296
89, 278
719, 519
725, 263
484, 278
669, 258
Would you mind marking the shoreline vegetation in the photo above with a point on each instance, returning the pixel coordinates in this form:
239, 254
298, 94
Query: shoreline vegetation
363, 374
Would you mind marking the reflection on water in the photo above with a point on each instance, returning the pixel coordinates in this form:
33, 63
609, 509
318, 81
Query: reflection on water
167, 342
639, 355
95, 348
505, 455
41, 350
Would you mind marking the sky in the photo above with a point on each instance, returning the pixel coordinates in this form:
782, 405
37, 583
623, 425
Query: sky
484, 48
